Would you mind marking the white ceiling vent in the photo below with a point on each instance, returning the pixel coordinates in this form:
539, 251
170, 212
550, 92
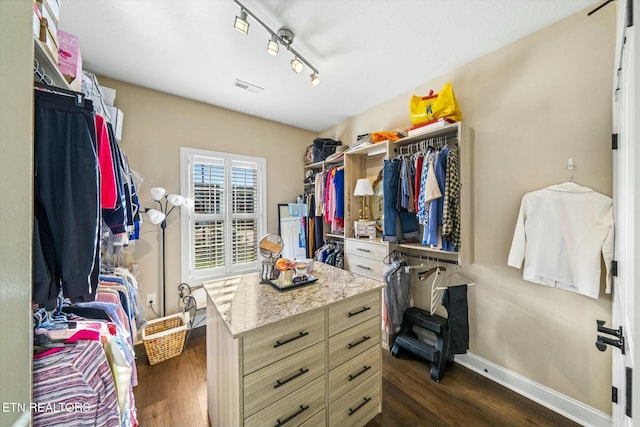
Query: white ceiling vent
247, 86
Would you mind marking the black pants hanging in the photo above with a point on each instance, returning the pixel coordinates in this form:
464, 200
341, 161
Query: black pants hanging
66, 199
455, 301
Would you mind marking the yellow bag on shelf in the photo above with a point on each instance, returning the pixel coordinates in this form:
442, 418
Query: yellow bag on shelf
446, 105
422, 108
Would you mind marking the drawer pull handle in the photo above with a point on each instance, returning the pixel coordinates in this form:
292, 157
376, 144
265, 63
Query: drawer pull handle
359, 311
365, 368
363, 266
292, 416
300, 335
365, 400
359, 342
302, 371
363, 250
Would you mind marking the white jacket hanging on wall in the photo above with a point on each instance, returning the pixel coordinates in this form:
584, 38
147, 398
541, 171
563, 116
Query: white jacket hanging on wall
560, 233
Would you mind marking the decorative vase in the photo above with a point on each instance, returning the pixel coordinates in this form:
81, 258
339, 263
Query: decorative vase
285, 278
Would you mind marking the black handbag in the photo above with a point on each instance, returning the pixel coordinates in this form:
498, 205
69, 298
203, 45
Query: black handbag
323, 148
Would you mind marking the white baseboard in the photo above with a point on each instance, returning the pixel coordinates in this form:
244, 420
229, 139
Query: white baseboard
557, 402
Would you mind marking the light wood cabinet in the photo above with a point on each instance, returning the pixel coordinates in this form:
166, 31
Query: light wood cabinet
367, 162
295, 371
366, 257
273, 342
358, 405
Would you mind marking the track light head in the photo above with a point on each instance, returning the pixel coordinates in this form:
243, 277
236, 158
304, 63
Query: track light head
296, 65
315, 80
273, 46
241, 24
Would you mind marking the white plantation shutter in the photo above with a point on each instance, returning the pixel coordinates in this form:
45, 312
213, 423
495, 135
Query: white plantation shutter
244, 201
225, 222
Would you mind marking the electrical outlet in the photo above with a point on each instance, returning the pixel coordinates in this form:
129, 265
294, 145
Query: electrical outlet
152, 300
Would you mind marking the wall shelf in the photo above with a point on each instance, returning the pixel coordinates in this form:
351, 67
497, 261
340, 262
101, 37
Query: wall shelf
48, 65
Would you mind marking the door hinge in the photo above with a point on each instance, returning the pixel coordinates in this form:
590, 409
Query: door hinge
614, 394
614, 268
628, 399
614, 141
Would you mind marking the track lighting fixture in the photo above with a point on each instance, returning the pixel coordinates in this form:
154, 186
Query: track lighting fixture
273, 46
241, 24
296, 65
315, 80
284, 37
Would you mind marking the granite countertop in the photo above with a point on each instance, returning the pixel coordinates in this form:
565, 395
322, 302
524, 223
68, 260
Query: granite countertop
246, 304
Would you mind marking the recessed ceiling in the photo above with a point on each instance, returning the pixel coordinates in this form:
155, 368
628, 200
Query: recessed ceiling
367, 51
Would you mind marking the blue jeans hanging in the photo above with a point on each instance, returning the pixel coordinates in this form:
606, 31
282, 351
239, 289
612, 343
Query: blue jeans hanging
390, 187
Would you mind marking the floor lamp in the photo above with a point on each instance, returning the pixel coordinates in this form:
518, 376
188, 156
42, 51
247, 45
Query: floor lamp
159, 216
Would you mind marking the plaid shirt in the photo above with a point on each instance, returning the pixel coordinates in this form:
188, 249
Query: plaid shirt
451, 211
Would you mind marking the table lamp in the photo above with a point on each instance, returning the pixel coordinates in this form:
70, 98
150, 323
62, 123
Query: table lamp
364, 190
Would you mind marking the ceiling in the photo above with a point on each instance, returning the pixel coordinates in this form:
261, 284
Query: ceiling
367, 51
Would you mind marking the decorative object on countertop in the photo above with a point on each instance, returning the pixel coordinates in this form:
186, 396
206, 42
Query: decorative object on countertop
270, 246
171, 201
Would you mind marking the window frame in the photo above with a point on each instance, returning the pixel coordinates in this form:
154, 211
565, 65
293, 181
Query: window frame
188, 156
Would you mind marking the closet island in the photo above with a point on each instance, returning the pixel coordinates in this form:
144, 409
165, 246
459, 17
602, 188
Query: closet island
308, 356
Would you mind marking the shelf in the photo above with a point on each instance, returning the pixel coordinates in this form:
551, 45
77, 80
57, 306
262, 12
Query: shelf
379, 148
453, 128
335, 236
429, 251
321, 165
48, 65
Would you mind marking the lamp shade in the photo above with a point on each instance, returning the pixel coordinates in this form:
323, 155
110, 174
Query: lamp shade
155, 216
363, 188
175, 199
157, 193
188, 203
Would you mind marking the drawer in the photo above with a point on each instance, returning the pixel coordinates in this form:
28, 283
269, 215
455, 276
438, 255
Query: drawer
266, 385
348, 344
265, 345
354, 372
366, 249
318, 420
352, 311
371, 268
293, 409
358, 406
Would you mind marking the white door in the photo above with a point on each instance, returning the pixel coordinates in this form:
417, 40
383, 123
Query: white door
626, 196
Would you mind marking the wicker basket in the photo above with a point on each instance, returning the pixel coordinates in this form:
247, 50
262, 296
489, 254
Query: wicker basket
164, 338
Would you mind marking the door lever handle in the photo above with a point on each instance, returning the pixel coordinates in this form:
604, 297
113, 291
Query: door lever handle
615, 332
602, 342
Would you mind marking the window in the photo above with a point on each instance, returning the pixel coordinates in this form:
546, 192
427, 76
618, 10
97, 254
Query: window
220, 234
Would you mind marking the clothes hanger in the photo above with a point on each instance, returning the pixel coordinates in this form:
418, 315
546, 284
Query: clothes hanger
456, 278
77, 96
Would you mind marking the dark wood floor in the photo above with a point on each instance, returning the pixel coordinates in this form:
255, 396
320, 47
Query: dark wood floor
173, 393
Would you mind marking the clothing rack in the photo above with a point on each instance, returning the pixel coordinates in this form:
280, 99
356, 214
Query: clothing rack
424, 145
397, 253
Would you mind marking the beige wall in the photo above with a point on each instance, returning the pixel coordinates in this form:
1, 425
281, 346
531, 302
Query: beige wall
532, 105
16, 209
156, 125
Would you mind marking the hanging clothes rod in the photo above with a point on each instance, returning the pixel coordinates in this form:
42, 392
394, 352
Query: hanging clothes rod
425, 144
398, 253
